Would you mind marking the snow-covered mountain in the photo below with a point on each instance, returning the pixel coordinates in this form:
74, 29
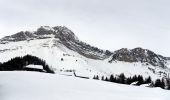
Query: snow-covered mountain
62, 50
64, 36
140, 55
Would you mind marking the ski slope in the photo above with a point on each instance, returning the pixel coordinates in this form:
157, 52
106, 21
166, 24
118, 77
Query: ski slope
22, 85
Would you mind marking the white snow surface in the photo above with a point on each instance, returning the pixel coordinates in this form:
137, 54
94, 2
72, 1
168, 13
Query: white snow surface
51, 50
34, 66
23, 85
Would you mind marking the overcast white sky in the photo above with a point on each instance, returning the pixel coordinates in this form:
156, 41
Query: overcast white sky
107, 24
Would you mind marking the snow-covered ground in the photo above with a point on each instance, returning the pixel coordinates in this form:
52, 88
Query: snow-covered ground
52, 51
22, 85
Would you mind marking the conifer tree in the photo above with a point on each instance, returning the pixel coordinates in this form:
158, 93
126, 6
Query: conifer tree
106, 79
162, 84
122, 78
112, 78
140, 79
158, 83
148, 80
97, 77
128, 80
94, 77
102, 78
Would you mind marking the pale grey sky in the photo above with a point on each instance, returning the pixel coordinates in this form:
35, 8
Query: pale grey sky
107, 24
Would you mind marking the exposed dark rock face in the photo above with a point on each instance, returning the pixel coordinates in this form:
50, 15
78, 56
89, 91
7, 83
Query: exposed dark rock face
139, 55
20, 36
66, 37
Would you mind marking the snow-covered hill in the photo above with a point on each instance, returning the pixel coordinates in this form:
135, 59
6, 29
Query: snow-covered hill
24, 85
62, 50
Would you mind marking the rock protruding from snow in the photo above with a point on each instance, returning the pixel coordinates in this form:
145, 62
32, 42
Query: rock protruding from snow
139, 55
20, 36
55, 43
65, 37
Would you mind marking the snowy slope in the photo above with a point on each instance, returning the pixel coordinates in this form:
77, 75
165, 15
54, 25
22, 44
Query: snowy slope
39, 86
52, 51
54, 44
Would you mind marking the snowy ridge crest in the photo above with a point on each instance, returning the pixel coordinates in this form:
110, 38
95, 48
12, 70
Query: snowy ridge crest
41, 33
139, 55
65, 36
60, 42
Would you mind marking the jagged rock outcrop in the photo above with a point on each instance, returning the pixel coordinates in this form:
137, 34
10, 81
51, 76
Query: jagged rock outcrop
139, 55
66, 37
55, 43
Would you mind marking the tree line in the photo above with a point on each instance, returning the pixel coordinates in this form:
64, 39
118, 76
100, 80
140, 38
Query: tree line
19, 63
163, 83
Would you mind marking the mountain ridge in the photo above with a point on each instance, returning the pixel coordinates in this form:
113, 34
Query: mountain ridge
60, 42
66, 36
139, 55
69, 39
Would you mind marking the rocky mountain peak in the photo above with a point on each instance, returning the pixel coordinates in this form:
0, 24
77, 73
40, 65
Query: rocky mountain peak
139, 55
42, 32
64, 36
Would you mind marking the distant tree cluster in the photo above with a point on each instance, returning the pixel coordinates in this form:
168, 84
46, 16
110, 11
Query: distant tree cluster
159, 83
163, 83
19, 63
122, 79
167, 83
